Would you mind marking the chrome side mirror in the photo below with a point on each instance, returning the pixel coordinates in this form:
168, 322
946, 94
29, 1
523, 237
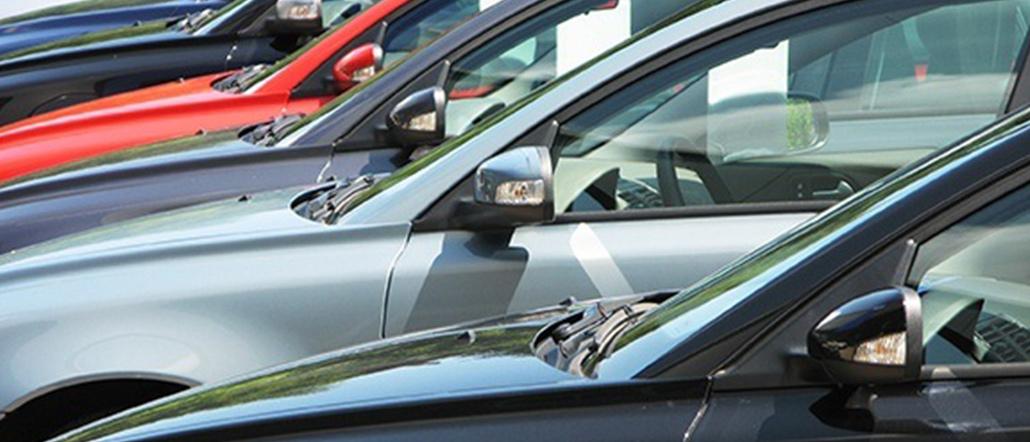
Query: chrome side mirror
512, 189
876, 338
419, 119
297, 17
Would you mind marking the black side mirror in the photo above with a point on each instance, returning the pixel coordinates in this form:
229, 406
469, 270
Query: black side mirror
512, 189
297, 17
419, 119
876, 338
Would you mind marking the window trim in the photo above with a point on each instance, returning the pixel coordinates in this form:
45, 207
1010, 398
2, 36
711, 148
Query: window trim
437, 216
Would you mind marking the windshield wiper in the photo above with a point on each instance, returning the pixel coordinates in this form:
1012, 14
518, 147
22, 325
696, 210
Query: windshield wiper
589, 339
270, 133
235, 82
192, 21
328, 207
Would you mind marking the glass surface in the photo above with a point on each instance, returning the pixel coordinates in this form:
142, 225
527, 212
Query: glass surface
974, 279
895, 85
424, 24
514, 65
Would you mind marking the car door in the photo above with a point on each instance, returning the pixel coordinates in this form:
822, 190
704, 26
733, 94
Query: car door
970, 269
685, 166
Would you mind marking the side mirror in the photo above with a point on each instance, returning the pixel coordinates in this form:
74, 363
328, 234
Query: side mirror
873, 339
419, 119
297, 17
511, 189
358, 65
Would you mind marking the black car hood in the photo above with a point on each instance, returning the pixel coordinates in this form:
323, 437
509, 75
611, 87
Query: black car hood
195, 147
447, 364
68, 21
108, 40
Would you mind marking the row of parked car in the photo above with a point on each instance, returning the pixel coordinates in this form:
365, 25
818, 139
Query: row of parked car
330, 220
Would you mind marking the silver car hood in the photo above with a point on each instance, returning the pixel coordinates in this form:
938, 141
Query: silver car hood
261, 216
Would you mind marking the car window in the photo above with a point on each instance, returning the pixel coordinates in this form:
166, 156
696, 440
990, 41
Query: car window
424, 24
539, 50
814, 113
332, 10
974, 280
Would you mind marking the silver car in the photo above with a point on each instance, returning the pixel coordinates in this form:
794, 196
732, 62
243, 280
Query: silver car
646, 170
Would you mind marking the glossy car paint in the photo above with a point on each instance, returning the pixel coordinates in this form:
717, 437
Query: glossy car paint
18, 33
468, 381
241, 254
60, 74
78, 196
173, 110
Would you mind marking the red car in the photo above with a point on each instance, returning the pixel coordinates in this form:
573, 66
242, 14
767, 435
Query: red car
300, 84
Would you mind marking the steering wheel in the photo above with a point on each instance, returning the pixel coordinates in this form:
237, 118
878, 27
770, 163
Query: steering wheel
695, 159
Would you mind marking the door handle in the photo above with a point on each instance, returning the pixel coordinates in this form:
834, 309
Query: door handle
843, 190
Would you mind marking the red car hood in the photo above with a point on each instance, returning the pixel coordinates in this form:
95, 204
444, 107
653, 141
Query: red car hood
136, 118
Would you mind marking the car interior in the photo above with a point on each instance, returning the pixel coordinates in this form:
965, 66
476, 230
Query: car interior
975, 287
851, 102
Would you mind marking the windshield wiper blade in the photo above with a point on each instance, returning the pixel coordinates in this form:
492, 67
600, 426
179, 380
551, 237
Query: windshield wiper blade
192, 21
327, 208
270, 133
590, 338
235, 82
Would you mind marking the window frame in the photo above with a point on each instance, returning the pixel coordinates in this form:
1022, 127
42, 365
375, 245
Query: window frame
437, 217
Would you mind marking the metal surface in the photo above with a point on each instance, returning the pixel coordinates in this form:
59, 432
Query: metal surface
110, 62
24, 31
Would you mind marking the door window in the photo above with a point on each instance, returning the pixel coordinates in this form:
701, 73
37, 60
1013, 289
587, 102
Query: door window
813, 109
536, 52
424, 24
974, 280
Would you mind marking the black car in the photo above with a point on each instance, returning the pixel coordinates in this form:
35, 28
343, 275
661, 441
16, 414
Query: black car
900, 314
54, 75
215, 166
65, 21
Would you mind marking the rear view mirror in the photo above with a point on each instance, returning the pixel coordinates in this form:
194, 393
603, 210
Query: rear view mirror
419, 119
297, 17
767, 125
808, 123
358, 66
876, 338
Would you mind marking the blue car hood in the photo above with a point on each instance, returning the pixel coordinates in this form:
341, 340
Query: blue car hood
52, 24
143, 33
423, 368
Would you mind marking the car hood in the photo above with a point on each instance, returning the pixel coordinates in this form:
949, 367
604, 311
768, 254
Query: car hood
172, 94
70, 20
465, 361
59, 178
143, 33
244, 220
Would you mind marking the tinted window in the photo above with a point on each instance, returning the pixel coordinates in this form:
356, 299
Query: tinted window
975, 285
816, 113
424, 24
539, 50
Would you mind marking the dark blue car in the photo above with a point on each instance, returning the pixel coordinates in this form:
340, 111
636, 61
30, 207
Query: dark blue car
59, 22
